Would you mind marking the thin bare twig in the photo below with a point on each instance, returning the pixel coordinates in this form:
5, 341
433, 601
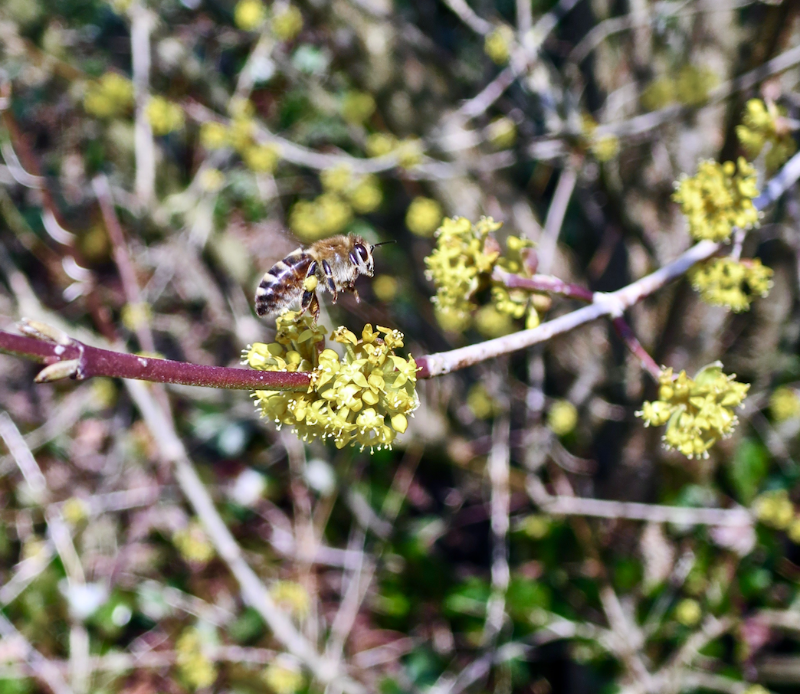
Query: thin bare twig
144, 147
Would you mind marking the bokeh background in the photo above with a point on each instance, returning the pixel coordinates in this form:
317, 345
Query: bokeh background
221, 136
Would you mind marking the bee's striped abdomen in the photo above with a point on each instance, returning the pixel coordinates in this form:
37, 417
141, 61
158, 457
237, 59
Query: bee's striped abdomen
283, 283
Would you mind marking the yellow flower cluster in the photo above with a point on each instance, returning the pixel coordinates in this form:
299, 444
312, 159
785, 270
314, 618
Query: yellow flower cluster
562, 418
164, 116
480, 402
357, 107
214, 135
283, 677
498, 43
458, 266
332, 211
292, 596
688, 612
718, 198
260, 158
603, 148
784, 404
109, 96
211, 180
763, 124
385, 287
698, 412
361, 398
193, 544
774, 509
490, 322
249, 14
286, 23
518, 302
409, 150
423, 216
195, 667
657, 94
731, 283
693, 84
502, 132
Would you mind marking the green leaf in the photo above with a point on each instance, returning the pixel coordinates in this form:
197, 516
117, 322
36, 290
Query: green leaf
748, 469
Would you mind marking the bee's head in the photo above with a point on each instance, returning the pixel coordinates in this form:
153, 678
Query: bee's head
361, 257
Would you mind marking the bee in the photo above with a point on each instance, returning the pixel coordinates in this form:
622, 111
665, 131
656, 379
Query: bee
333, 264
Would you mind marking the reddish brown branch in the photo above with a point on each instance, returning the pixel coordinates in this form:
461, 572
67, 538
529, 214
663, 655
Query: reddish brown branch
626, 333
92, 361
545, 283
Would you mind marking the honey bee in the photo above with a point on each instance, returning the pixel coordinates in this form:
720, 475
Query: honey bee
333, 264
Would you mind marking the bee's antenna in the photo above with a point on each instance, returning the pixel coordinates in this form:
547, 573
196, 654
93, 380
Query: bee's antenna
383, 243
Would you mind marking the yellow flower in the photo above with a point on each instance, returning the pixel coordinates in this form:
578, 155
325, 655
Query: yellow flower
498, 43
249, 14
283, 677
328, 214
423, 216
195, 667
536, 526
688, 612
361, 398
784, 403
490, 322
366, 196
381, 144
385, 287
193, 544
731, 283
774, 509
109, 96
693, 84
213, 135
605, 148
718, 198
261, 158
212, 180
287, 22
292, 596
793, 531
409, 152
458, 266
74, 510
764, 124
337, 179
562, 417
502, 132
164, 116
357, 107
135, 316
698, 412
480, 402
659, 93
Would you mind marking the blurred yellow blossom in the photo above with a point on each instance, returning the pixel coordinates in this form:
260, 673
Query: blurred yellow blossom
357, 107
381, 144
774, 509
292, 596
793, 531
718, 198
75, 510
214, 135
366, 195
765, 124
784, 403
283, 677
261, 158
409, 152
328, 214
109, 96
164, 116
498, 43
249, 14
698, 412
694, 83
286, 22
481, 404
195, 667
385, 287
423, 216
731, 283
211, 180
361, 398
562, 417
688, 612
193, 543
490, 322
135, 316
336, 179
502, 132
658, 94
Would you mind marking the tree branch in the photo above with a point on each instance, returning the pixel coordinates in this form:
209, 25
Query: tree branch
82, 361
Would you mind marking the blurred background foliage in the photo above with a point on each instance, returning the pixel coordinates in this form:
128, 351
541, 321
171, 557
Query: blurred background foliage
230, 133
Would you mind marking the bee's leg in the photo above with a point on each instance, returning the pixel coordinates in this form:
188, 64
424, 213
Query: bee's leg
351, 287
329, 280
309, 295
